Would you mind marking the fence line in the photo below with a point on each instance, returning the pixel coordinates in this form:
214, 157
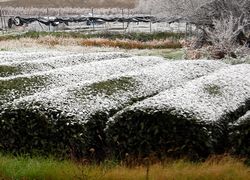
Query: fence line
94, 23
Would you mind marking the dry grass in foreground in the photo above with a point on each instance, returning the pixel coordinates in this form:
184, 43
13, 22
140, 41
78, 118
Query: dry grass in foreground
130, 44
40, 168
97, 42
126, 41
102, 42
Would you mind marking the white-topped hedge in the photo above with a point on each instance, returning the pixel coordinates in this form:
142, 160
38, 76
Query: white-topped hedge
194, 117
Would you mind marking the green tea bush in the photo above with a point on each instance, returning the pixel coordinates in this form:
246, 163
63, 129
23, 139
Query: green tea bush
8, 70
141, 133
36, 129
180, 108
240, 135
192, 120
17, 87
31, 129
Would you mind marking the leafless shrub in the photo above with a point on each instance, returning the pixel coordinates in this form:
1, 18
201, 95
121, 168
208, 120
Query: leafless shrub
227, 37
174, 8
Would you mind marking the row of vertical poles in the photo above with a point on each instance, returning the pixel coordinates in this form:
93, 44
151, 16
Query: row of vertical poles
188, 31
123, 23
93, 23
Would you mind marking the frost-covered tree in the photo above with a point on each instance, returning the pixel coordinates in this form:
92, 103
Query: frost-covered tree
170, 7
224, 21
225, 24
222, 9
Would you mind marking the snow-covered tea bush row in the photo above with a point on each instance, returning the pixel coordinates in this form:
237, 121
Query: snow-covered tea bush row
15, 57
113, 87
13, 87
191, 119
59, 104
30, 63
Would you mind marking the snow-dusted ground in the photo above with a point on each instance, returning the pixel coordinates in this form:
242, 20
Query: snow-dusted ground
27, 63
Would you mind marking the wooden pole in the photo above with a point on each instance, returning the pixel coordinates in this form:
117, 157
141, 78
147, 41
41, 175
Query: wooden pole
128, 21
186, 32
93, 24
123, 25
1, 21
150, 22
4, 21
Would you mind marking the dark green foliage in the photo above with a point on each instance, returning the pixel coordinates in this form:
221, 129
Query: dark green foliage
33, 129
8, 70
213, 89
21, 84
17, 87
108, 87
95, 144
167, 133
27, 129
240, 132
241, 138
36, 129
142, 133
222, 131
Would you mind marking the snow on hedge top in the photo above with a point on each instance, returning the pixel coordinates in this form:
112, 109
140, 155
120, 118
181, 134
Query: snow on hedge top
27, 84
114, 84
243, 119
208, 98
12, 56
30, 62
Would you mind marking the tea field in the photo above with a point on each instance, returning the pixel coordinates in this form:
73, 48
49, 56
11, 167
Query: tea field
116, 104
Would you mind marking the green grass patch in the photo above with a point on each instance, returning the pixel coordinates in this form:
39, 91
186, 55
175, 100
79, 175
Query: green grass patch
36, 168
215, 168
174, 54
170, 54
